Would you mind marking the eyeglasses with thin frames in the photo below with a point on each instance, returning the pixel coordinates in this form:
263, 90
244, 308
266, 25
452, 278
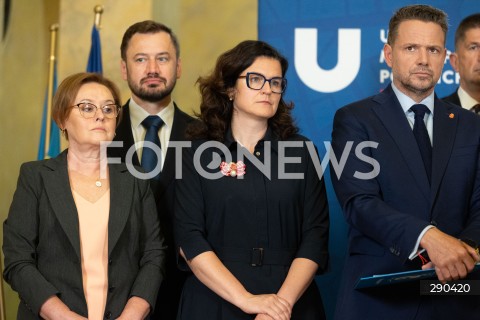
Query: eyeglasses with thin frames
256, 81
88, 110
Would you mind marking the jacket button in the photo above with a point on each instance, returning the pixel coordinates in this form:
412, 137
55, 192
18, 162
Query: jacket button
110, 289
110, 261
108, 315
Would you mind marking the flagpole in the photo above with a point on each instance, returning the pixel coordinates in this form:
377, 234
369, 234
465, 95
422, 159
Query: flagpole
51, 66
98, 15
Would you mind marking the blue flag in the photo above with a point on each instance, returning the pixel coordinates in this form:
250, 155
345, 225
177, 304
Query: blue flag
95, 58
54, 144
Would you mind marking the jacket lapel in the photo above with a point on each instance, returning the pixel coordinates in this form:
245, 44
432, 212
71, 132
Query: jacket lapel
61, 199
121, 196
177, 134
445, 123
57, 186
124, 134
391, 114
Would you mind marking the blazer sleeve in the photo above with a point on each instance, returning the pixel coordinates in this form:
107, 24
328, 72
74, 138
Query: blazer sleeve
472, 227
189, 224
152, 262
20, 238
315, 225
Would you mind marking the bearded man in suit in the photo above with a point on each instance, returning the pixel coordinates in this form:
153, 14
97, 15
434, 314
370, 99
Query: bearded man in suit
151, 65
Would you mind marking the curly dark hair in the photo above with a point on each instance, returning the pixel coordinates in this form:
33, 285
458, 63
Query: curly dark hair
216, 108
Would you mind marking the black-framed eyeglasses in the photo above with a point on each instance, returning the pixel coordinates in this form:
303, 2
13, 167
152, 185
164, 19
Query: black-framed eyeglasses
88, 110
256, 81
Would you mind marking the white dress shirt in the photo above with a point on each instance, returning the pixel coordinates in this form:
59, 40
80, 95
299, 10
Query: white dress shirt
466, 101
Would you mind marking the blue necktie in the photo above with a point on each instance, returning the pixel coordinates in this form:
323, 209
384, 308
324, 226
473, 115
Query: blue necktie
421, 135
149, 158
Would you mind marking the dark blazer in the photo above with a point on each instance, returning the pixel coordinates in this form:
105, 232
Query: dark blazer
42, 243
387, 213
164, 193
453, 98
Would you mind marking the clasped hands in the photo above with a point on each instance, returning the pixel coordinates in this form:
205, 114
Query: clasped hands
452, 259
268, 307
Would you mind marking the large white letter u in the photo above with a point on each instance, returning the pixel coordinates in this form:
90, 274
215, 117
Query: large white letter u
348, 61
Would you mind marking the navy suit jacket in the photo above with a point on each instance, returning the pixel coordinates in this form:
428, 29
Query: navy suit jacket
387, 213
163, 188
453, 98
164, 193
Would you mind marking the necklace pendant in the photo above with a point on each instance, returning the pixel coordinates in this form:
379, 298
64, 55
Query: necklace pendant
98, 183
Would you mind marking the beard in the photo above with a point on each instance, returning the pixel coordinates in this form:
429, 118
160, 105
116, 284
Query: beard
152, 93
417, 90
417, 86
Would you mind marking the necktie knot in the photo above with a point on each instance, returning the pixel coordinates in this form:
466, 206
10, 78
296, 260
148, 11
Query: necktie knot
152, 122
476, 108
420, 110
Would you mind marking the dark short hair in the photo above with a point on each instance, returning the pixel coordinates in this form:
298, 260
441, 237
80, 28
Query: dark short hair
216, 106
470, 22
145, 27
420, 12
67, 92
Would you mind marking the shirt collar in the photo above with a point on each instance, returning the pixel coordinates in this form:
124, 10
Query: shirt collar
466, 100
406, 102
138, 114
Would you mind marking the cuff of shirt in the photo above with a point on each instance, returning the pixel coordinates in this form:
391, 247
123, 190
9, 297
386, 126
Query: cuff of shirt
415, 251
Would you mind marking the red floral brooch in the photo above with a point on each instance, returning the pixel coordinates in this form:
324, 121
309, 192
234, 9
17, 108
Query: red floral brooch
232, 169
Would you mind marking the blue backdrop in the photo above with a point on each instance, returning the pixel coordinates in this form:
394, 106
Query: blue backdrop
335, 50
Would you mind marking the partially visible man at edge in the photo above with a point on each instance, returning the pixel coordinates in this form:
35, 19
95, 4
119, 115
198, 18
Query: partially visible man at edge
151, 65
466, 61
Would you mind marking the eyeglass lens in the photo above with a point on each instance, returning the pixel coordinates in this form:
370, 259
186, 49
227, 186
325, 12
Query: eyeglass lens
88, 110
256, 81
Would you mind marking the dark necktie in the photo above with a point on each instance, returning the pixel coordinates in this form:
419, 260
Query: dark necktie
421, 135
149, 157
476, 108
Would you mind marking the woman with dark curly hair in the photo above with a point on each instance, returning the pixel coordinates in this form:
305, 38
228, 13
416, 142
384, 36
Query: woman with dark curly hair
251, 215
